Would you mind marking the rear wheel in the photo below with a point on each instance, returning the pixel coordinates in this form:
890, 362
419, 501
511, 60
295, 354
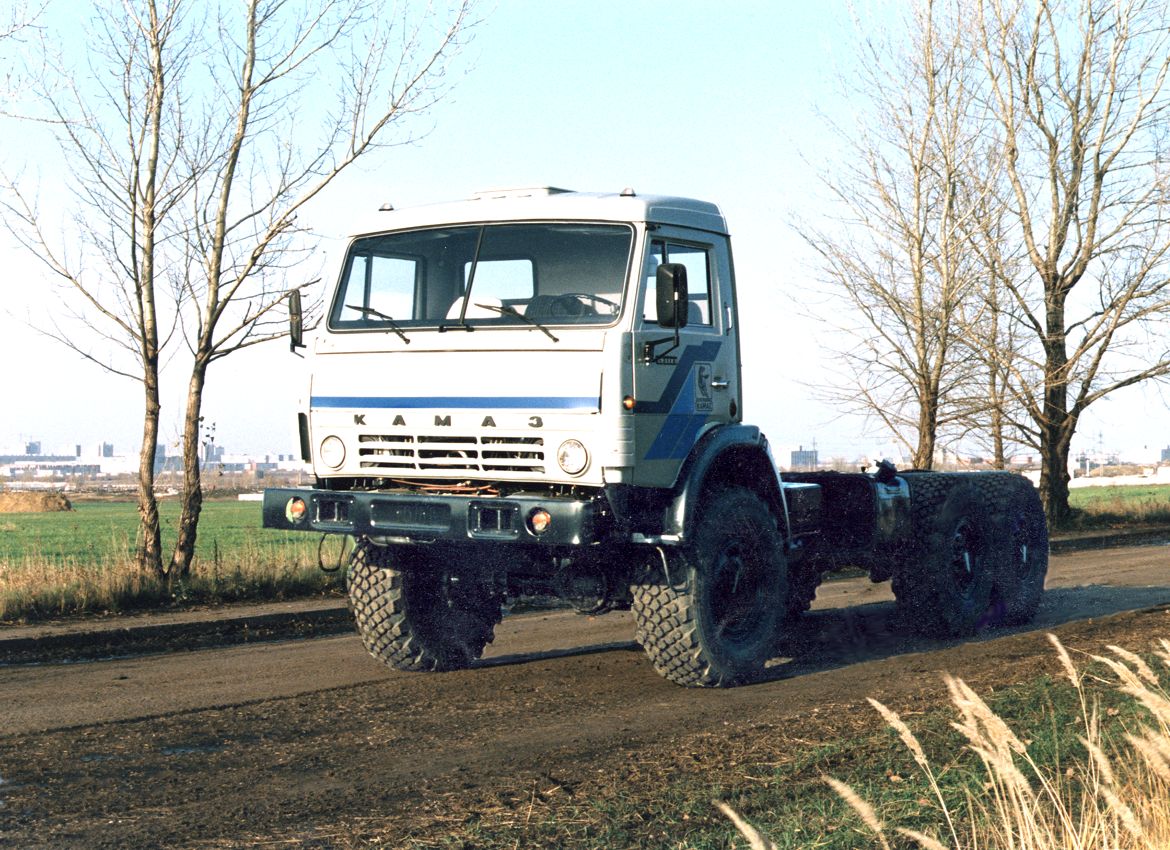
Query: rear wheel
430, 615
944, 588
713, 621
1021, 553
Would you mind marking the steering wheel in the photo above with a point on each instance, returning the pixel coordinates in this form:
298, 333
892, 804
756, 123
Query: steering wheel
574, 305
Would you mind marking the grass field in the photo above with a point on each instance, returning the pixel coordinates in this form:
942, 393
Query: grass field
1095, 507
81, 561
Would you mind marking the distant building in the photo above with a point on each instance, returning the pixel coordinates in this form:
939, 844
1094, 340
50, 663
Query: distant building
804, 459
1166, 455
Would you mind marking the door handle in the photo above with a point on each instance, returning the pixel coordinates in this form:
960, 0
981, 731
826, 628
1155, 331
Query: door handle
719, 384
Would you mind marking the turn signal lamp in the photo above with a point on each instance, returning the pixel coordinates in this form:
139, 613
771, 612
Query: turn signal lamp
628, 402
539, 521
294, 511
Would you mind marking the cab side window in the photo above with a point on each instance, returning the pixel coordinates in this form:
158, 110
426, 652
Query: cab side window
697, 260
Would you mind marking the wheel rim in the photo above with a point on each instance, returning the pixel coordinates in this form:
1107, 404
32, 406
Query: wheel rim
963, 558
1018, 540
737, 602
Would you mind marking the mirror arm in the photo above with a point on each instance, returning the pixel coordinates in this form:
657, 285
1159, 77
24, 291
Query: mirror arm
648, 348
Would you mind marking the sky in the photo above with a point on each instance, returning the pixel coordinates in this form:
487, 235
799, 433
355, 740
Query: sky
727, 102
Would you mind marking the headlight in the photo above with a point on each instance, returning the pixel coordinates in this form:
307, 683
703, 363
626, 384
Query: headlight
572, 457
332, 452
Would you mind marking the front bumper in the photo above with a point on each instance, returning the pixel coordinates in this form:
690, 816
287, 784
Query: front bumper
424, 517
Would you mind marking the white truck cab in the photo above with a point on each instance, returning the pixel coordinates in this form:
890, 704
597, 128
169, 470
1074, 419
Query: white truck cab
514, 337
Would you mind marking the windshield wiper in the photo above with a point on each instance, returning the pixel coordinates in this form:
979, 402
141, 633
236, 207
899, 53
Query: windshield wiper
509, 310
370, 311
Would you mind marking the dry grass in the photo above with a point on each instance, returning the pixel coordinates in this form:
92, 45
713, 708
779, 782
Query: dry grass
1115, 795
37, 586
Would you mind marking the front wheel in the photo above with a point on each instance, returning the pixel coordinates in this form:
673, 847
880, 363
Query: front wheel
712, 621
428, 614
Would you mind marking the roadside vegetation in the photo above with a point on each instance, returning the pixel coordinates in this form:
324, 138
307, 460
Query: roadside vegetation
1070, 761
83, 561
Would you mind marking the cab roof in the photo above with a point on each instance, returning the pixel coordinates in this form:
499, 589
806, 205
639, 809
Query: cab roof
548, 203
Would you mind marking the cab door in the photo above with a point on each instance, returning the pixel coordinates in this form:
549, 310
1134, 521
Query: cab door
683, 388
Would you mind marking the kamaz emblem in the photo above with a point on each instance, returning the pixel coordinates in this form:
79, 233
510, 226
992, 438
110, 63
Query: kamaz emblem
704, 402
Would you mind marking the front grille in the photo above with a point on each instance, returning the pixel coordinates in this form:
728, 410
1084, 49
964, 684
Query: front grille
397, 453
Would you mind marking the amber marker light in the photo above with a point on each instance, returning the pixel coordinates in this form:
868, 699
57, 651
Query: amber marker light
294, 511
539, 521
628, 402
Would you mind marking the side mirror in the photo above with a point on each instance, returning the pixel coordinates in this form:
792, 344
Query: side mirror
672, 295
296, 321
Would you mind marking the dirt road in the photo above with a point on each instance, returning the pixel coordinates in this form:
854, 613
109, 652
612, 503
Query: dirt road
312, 742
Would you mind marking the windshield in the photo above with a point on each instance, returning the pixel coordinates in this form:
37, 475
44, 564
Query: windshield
513, 275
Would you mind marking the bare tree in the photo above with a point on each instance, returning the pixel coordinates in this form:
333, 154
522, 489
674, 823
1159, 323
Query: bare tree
126, 187
900, 261
1078, 97
206, 135
991, 332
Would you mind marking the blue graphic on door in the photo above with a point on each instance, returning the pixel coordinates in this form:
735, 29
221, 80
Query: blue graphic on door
691, 408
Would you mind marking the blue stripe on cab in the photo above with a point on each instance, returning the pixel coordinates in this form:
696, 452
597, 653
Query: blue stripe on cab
457, 402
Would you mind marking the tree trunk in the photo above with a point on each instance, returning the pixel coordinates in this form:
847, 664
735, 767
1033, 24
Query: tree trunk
149, 550
1054, 476
192, 495
1057, 425
924, 451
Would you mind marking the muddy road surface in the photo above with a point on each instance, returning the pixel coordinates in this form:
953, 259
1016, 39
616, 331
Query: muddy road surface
312, 743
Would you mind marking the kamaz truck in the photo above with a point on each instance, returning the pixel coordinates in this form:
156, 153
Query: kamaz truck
538, 392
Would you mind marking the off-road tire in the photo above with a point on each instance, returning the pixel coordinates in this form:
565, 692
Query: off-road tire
421, 617
1019, 544
1021, 553
713, 620
944, 585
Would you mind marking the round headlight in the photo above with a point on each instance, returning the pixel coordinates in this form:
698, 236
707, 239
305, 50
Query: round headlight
572, 457
332, 452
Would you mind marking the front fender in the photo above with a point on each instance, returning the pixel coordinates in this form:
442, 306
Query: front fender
729, 455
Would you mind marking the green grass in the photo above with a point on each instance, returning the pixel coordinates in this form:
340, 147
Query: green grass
82, 561
105, 530
1097, 507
